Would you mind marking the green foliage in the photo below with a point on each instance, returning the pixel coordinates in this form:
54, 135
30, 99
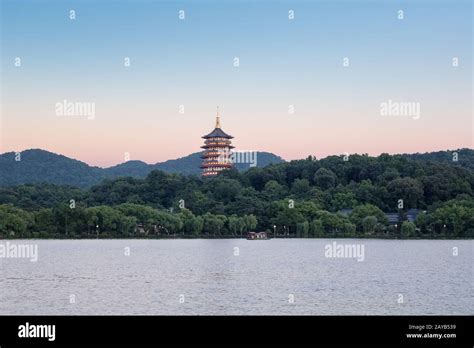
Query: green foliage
39, 166
407, 189
324, 178
274, 191
300, 187
316, 228
304, 198
343, 200
408, 229
368, 224
454, 218
35, 196
212, 224
366, 217
302, 229
250, 222
14, 222
349, 229
236, 225
192, 225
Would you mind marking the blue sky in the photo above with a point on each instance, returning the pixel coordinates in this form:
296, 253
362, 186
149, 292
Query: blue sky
282, 62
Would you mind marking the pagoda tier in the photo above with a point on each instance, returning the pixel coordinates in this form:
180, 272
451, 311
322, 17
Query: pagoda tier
217, 151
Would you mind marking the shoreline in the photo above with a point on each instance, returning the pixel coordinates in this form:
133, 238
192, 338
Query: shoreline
242, 238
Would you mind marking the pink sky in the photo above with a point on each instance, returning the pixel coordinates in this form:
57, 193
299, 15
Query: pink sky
158, 134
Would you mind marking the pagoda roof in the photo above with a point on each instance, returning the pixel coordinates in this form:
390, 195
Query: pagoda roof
217, 133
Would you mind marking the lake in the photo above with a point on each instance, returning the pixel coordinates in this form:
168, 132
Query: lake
237, 276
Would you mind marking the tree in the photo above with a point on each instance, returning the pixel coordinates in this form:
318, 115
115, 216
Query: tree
324, 178
274, 191
213, 224
308, 209
43, 222
250, 222
191, 224
224, 189
343, 200
300, 187
367, 192
316, 228
368, 224
288, 217
105, 218
198, 226
14, 222
349, 229
408, 229
302, 229
332, 222
233, 222
143, 213
362, 211
408, 189
454, 218
389, 175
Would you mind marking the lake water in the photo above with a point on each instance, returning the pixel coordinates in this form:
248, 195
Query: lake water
236, 276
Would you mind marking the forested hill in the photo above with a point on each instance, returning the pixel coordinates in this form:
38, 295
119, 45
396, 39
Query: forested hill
461, 157
39, 166
331, 197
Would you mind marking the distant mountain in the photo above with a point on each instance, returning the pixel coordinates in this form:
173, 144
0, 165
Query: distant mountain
131, 168
43, 166
37, 165
190, 164
185, 165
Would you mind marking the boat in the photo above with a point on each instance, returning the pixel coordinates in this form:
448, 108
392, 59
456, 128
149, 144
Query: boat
257, 236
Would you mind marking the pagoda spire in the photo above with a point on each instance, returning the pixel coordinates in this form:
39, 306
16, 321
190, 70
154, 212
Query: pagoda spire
218, 119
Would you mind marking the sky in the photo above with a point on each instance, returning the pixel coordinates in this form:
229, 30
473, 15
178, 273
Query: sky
293, 93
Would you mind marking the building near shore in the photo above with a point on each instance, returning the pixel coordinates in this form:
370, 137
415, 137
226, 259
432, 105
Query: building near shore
217, 150
392, 218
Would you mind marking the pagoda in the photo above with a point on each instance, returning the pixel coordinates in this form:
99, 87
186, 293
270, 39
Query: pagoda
217, 150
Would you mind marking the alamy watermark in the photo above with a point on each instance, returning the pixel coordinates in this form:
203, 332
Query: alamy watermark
393, 108
68, 108
249, 157
346, 251
28, 330
19, 250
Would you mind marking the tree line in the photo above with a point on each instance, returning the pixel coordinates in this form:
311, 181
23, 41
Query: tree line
333, 197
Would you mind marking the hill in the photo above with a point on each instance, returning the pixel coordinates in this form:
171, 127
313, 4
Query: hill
40, 166
389, 196
461, 157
